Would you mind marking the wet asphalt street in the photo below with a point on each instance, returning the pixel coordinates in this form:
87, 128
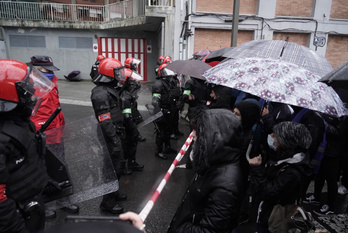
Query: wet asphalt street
140, 186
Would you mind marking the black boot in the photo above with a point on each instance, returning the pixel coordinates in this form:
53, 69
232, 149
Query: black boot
134, 166
169, 150
141, 138
161, 155
173, 136
117, 209
50, 214
120, 196
71, 208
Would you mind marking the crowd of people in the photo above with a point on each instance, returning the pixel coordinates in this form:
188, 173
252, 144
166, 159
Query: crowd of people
243, 147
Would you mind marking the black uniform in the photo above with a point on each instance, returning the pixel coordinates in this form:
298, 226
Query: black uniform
94, 70
161, 100
176, 105
130, 142
22, 173
199, 90
108, 111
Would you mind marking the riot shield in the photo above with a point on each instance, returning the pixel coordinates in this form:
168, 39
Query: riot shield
81, 147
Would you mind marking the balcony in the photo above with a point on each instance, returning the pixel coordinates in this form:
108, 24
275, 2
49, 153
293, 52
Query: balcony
58, 15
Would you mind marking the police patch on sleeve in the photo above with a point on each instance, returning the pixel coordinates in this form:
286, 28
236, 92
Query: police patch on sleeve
104, 117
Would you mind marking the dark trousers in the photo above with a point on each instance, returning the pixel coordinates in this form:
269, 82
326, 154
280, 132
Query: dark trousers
163, 134
328, 171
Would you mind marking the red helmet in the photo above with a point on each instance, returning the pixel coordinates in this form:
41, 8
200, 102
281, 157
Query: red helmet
167, 59
100, 57
21, 84
109, 69
160, 60
163, 71
132, 75
132, 63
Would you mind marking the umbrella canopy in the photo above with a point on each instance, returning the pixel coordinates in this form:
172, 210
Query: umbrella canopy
277, 81
338, 80
201, 53
218, 55
193, 68
284, 50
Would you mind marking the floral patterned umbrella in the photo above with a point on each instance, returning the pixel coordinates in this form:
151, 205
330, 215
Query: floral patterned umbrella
277, 81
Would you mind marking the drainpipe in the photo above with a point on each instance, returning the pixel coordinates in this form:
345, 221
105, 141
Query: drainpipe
162, 39
180, 49
74, 10
235, 22
187, 44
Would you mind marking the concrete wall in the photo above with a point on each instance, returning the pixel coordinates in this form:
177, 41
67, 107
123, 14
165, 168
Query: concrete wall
68, 60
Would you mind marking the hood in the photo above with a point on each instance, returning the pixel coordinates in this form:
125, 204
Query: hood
223, 97
250, 113
219, 139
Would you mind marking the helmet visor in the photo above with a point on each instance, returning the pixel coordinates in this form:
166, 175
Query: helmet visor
136, 76
33, 88
167, 72
120, 73
36, 83
136, 61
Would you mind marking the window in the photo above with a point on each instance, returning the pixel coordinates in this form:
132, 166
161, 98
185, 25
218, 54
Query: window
27, 41
75, 42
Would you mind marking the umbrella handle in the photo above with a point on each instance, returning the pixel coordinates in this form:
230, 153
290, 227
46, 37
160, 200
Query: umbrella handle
247, 154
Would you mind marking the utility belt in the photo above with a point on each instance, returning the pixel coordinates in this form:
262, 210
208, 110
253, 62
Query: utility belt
121, 131
165, 111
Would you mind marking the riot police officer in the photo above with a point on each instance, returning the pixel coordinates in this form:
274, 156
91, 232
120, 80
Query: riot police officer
94, 69
108, 110
132, 64
160, 61
176, 105
128, 100
161, 102
22, 169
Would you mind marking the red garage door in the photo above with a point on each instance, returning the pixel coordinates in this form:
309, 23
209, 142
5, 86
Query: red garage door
122, 48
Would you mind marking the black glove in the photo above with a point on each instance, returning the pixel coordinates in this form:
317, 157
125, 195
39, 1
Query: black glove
52, 187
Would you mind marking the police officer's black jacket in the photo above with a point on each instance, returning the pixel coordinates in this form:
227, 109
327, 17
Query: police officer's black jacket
107, 108
161, 94
212, 201
22, 169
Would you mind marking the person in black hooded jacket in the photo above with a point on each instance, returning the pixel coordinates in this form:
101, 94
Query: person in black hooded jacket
221, 97
212, 201
281, 180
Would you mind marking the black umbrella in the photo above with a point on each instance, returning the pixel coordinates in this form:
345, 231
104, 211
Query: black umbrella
193, 68
201, 53
283, 50
338, 80
218, 55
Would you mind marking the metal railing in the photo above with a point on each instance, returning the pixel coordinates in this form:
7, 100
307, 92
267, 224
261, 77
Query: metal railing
77, 12
161, 3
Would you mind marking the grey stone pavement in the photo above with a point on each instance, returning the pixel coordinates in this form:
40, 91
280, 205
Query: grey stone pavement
140, 186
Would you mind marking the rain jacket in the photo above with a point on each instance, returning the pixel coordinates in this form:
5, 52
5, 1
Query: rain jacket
49, 104
279, 182
212, 200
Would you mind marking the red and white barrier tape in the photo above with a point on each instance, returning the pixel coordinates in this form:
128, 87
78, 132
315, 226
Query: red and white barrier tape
146, 210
